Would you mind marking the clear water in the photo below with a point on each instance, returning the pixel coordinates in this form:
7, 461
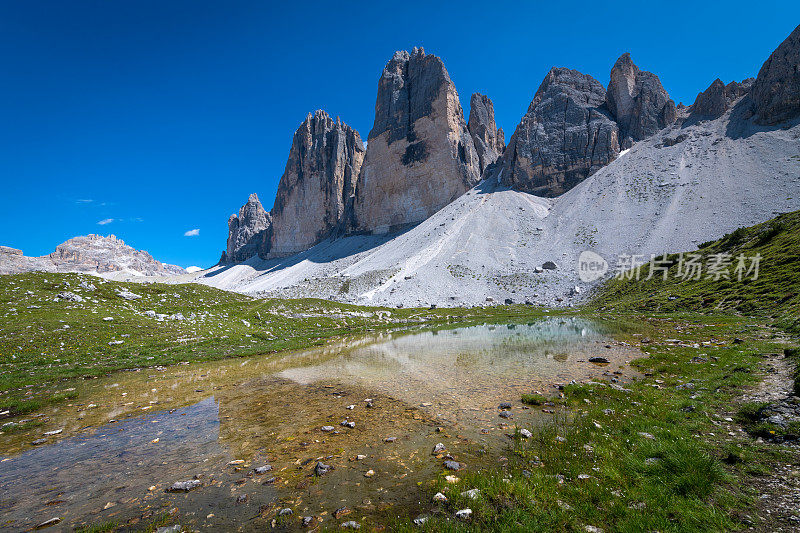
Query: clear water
130, 436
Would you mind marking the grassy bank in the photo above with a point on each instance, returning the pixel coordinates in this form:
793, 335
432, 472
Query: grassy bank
774, 295
659, 454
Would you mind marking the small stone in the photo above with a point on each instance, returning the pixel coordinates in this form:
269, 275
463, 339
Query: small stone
307, 520
471, 493
646, 435
263, 469
525, 434
453, 465
505, 414
321, 468
439, 497
351, 524
242, 498
452, 479
327, 428
285, 512
464, 514
420, 521
390, 439
184, 486
439, 448
369, 473
504, 405
341, 511
48, 523
170, 529
598, 359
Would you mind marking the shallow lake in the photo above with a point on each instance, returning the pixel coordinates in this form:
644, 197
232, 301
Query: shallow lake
130, 436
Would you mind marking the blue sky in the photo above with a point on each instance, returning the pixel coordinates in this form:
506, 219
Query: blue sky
159, 117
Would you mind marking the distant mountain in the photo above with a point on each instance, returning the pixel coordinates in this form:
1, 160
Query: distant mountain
90, 253
421, 156
617, 170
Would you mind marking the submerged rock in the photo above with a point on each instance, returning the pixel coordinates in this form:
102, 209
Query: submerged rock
184, 486
320, 469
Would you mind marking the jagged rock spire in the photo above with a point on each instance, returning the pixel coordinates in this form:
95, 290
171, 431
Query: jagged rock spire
315, 193
565, 136
489, 141
420, 155
776, 91
638, 101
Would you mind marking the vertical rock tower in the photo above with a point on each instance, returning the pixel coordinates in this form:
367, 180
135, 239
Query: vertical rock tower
420, 155
638, 102
489, 141
316, 190
565, 136
249, 232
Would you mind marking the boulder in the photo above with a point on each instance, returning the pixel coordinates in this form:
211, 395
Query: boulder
315, 192
776, 91
566, 135
489, 141
638, 102
249, 232
420, 155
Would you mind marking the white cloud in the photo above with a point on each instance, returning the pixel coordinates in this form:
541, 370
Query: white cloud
192, 233
106, 221
84, 201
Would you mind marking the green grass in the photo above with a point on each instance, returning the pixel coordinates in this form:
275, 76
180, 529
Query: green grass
45, 343
655, 451
775, 294
533, 399
656, 456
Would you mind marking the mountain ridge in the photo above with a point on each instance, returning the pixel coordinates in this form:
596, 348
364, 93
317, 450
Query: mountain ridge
107, 255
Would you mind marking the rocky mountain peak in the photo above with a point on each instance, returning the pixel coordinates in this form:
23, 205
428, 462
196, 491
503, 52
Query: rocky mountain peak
489, 141
638, 101
565, 136
776, 91
89, 253
717, 99
420, 155
249, 232
314, 197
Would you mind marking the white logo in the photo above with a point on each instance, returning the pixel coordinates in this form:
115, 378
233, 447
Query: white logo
591, 266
